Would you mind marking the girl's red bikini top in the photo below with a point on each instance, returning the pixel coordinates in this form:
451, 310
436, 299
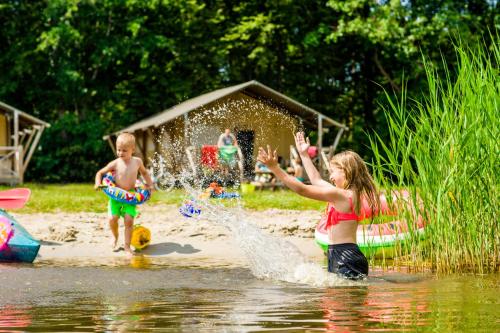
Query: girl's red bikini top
335, 217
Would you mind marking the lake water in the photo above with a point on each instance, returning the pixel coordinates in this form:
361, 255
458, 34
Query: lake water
159, 295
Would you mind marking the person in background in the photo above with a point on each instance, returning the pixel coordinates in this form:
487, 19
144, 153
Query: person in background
227, 152
227, 139
298, 170
263, 176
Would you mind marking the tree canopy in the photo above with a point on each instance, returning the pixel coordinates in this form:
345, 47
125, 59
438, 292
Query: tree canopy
91, 67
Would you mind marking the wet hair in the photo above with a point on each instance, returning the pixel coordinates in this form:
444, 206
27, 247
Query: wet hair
127, 139
358, 179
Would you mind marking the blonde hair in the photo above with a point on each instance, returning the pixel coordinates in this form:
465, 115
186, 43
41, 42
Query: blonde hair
358, 179
127, 139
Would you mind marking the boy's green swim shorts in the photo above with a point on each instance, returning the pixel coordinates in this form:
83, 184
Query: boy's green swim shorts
116, 208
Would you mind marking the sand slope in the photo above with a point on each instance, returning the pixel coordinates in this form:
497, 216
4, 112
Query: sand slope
85, 236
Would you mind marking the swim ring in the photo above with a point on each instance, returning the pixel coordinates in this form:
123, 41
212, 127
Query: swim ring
376, 240
137, 197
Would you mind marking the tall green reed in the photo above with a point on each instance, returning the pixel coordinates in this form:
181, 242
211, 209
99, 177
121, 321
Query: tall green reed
445, 148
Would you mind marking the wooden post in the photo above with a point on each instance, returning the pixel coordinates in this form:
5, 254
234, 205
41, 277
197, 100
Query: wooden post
112, 145
320, 141
187, 141
26, 139
155, 144
31, 150
16, 128
144, 145
190, 157
337, 139
17, 156
19, 163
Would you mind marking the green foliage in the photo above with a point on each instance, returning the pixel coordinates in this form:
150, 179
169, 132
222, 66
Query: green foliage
446, 149
59, 162
111, 63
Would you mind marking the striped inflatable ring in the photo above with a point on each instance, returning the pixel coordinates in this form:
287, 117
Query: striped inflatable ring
137, 197
376, 240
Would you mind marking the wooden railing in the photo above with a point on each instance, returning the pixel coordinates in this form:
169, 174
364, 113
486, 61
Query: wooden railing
11, 164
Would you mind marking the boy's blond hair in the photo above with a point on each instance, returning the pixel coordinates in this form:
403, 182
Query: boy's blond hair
127, 139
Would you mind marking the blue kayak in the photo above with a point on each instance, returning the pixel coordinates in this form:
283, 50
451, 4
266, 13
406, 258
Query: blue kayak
22, 247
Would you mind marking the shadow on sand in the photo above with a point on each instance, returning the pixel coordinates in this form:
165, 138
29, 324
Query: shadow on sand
167, 248
49, 243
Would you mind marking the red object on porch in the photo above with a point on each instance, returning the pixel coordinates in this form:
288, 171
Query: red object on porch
209, 156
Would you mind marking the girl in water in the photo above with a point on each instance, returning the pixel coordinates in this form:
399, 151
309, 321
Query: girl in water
351, 182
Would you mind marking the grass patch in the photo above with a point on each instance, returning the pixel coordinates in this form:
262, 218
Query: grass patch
281, 199
75, 198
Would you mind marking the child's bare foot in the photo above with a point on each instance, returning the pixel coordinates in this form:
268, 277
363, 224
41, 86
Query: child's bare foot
129, 252
114, 246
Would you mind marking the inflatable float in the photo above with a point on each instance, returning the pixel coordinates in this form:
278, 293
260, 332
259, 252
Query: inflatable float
16, 244
218, 192
190, 208
376, 240
137, 197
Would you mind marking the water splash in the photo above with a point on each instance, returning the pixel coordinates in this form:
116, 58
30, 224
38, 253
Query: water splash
268, 257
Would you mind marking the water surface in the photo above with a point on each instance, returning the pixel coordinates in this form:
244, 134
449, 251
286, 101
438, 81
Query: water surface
159, 296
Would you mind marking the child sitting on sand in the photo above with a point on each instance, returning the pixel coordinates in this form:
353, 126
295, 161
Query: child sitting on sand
125, 169
351, 181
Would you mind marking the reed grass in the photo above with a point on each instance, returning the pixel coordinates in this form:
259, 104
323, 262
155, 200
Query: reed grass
445, 148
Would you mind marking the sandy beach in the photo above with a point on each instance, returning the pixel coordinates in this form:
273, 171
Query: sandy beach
83, 237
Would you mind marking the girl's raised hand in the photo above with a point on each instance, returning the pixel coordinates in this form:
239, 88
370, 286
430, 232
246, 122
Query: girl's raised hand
269, 158
301, 143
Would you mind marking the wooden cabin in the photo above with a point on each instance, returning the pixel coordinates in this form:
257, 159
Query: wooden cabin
255, 113
19, 137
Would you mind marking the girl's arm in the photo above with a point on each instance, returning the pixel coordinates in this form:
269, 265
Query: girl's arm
322, 193
302, 145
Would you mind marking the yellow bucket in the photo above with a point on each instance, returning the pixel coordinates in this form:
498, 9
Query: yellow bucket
141, 237
247, 188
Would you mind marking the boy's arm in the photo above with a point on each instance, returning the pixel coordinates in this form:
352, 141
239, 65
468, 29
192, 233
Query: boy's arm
102, 172
302, 145
145, 174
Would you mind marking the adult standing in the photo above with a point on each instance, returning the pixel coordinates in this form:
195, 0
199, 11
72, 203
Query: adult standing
228, 148
227, 139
